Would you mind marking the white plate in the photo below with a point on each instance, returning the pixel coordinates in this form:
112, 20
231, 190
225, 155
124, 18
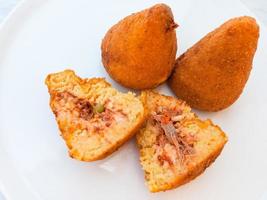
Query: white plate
44, 36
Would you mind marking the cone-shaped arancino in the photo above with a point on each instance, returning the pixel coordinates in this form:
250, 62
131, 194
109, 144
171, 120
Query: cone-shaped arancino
139, 51
211, 75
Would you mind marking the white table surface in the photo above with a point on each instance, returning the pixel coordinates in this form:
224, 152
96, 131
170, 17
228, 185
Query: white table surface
258, 7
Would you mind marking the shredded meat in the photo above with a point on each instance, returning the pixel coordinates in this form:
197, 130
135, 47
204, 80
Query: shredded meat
169, 131
86, 114
85, 109
169, 123
82, 106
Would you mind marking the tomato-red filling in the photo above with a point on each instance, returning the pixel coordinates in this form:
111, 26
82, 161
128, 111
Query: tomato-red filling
173, 142
87, 114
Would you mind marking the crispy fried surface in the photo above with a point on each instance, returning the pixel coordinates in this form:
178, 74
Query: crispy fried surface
139, 51
94, 118
211, 75
165, 165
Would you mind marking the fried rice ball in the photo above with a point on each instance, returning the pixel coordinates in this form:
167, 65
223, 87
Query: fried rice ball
211, 75
139, 51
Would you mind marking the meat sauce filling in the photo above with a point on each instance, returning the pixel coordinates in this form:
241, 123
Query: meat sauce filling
86, 114
173, 143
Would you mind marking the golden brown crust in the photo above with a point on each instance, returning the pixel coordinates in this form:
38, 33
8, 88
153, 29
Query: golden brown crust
211, 75
66, 86
197, 170
192, 174
200, 168
212, 140
139, 51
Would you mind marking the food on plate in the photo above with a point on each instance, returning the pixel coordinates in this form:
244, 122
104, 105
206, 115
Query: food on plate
211, 75
175, 145
94, 118
139, 51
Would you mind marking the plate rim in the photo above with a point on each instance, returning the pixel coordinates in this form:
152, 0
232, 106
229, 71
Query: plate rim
8, 176
6, 169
